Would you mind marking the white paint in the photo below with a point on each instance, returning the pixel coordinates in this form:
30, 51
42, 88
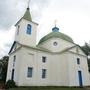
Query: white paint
62, 69
23, 37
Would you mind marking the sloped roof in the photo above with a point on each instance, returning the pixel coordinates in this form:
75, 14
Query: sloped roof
12, 46
44, 49
57, 35
26, 16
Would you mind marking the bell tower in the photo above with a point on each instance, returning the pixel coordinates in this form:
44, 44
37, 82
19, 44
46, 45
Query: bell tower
26, 29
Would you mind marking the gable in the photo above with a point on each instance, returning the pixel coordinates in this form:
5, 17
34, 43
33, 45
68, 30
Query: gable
77, 50
56, 44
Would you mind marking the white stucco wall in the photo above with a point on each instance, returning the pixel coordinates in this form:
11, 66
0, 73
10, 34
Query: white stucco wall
62, 69
23, 37
59, 70
74, 68
16, 67
31, 58
56, 66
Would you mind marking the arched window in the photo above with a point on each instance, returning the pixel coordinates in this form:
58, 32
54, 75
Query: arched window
29, 29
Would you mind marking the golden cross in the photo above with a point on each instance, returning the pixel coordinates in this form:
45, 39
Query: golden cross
28, 3
55, 22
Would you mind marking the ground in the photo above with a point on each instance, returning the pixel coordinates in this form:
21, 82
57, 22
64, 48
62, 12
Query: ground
48, 88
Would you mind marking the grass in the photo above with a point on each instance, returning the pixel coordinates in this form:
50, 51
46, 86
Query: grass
46, 88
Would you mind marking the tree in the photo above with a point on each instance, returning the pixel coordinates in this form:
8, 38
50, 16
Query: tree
3, 67
86, 49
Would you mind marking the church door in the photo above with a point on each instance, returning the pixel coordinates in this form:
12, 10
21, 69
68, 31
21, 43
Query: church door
80, 78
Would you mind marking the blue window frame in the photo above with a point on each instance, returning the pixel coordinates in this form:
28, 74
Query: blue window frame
43, 73
29, 29
18, 27
78, 60
14, 60
30, 71
43, 59
12, 76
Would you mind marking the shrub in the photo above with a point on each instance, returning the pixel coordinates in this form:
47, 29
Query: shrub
10, 84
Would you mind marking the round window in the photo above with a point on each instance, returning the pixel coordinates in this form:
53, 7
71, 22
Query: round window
55, 43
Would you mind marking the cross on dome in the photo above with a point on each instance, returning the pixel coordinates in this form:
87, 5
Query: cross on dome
55, 29
28, 4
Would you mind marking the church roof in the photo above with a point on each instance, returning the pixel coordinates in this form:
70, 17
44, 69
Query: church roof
44, 49
26, 16
57, 35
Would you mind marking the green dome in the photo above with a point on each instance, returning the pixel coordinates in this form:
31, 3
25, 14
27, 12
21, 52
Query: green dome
57, 35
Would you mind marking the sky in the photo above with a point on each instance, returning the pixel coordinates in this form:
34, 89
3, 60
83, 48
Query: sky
72, 16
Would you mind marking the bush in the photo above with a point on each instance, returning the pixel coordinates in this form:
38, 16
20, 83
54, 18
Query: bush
10, 84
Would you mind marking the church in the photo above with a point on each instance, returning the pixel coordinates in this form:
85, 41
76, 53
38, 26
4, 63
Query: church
55, 61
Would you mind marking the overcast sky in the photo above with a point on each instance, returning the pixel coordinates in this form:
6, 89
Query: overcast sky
73, 19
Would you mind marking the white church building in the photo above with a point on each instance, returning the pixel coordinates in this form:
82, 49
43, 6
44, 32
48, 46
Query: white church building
55, 61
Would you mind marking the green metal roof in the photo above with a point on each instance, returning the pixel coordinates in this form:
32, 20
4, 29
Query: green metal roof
27, 15
57, 35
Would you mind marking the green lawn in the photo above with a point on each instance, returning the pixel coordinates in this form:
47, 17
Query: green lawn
46, 88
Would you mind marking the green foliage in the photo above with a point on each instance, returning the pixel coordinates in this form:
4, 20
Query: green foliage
89, 65
46, 88
3, 68
86, 48
10, 84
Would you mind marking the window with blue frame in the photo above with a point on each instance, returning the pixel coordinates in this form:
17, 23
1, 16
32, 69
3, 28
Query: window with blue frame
43, 59
30, 71
29, 29
12, 76
78, 60
18, 27
43, 73
14, 60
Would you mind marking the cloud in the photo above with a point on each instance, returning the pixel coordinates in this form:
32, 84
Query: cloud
73, 17
10, 12
37, 8
6, 40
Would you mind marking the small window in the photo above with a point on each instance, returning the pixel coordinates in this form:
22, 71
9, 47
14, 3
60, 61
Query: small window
43, 59
29, 29
18, 27
78, 60
43, 73
12, 76
30, 71
15, 46
55, 43
14, 59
